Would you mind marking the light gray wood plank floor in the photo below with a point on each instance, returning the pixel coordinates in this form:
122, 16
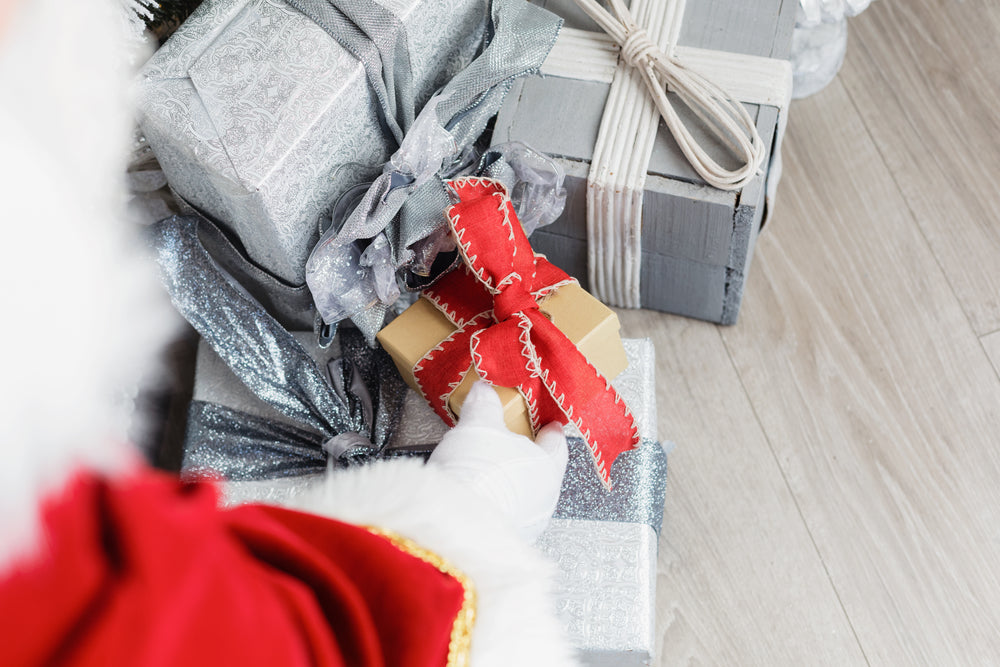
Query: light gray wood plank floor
834, 497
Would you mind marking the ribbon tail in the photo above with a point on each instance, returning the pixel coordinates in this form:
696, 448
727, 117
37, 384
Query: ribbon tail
584, 396
377, 38
439, 372
505, 357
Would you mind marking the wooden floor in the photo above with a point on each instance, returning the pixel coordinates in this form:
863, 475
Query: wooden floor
834, 497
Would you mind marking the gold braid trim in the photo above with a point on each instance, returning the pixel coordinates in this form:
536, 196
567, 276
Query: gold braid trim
461, 629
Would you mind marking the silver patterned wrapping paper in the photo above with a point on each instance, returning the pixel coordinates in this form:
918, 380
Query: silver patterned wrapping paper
607, 588
261, 119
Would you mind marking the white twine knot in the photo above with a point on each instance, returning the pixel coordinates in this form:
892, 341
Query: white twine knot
723, 116
637, 46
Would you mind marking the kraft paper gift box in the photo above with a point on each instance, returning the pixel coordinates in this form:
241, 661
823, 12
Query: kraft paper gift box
507, 315
261, 119
590, 325
696, 241
604, 544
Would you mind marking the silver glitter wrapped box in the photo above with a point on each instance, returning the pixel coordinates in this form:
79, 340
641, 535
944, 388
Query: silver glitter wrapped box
262, 120
604, 544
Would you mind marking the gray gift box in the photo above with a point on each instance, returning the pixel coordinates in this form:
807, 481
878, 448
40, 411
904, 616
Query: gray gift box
262, 120
696, 241
603, 543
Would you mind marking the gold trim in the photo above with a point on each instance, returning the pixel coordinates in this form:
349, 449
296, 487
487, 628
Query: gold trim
461, 630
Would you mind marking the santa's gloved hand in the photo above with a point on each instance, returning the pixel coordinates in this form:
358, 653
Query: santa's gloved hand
520, 477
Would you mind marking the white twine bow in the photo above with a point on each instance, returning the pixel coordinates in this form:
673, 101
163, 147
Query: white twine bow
723, 116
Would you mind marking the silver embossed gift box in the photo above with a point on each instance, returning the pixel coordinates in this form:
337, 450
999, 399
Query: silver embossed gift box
688, 248
262, 120
604, 544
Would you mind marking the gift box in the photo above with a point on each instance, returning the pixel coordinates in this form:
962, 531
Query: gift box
687, 246
603, 543
509, 316
590, 325
262, 120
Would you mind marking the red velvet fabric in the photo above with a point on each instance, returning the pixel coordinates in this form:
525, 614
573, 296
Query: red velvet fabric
149, 572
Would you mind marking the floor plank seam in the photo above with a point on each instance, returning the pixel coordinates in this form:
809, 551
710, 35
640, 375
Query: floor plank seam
989, 358
895, 181
795, 500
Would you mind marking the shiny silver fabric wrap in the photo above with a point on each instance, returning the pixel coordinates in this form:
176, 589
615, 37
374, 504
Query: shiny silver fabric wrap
360, 393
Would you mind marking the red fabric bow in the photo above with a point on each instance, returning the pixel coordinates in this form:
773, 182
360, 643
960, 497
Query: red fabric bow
493, 301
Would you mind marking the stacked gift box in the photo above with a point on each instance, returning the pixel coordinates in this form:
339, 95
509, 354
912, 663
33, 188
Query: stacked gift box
695, 242
315, 147
261, 120
603, 543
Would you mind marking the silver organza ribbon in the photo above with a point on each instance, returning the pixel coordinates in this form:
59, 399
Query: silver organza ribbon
352, 270
346, 414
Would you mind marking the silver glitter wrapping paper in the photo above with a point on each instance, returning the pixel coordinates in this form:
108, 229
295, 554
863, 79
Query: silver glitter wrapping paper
348, 410
261, 119
638, 480
638, 476
214, 382
420, 428
606, 584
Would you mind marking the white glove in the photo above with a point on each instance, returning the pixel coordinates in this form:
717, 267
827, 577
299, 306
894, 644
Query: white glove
520, 477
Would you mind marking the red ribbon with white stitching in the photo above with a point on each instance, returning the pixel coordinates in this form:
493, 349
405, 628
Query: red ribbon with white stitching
493, 302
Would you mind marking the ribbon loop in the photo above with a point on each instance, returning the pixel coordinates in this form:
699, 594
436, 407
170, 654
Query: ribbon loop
406, 200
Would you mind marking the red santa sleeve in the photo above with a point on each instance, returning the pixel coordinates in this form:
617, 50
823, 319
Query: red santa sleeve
516, 621
146, 570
